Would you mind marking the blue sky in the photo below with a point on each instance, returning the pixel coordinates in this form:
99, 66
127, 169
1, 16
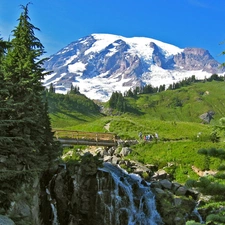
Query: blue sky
184, 23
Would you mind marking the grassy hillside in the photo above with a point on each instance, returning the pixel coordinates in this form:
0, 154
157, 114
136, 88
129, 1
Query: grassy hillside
178, 143
183, 104
67, 111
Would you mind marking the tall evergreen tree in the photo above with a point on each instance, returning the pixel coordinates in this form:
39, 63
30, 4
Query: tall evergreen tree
117, 101
23, 69
6, 141
74, 89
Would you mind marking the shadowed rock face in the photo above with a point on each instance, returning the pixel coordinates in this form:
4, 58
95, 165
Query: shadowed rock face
196, 59
159, 58
86, 194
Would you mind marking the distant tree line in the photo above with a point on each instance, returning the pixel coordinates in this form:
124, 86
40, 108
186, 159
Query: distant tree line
73, 89
117, 100
149, 89
70, 103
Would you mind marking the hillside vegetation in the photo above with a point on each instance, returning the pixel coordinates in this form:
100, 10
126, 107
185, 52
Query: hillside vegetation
185, 140
182, 104
70, 110
177, 125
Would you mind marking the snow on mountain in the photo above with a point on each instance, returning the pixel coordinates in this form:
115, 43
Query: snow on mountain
102, 63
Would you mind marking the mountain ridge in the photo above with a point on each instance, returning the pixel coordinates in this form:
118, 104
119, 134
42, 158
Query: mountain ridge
102, 63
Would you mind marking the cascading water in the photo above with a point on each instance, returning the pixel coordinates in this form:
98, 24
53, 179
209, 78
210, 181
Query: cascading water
128, 201
53, 205
196, 213
86, 194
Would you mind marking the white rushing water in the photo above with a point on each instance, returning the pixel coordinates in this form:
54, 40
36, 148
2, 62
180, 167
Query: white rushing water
53, 206
199, 216
128, 202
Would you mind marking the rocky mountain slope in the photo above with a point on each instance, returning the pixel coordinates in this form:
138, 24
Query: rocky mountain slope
102, 63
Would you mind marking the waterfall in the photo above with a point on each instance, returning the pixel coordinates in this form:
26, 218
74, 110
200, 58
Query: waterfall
196, 213
128, 201
53, 204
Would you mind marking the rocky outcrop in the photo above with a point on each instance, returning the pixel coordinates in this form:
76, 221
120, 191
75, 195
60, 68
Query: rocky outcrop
196, 59
159, 58
88, 194
207, 117
24, 201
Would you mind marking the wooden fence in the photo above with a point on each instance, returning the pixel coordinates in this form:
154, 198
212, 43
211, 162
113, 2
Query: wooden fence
87, 138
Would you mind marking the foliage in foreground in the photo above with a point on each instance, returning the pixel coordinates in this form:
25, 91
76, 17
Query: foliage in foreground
26, 140
213, 186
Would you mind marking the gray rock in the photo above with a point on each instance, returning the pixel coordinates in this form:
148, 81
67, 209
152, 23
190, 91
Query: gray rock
159, 191
21, 209
166, 184
115, 160
175, 186
3, 159
107, 158
125, 151
207, 117
160, 174
181, 191
4, 220
111, 151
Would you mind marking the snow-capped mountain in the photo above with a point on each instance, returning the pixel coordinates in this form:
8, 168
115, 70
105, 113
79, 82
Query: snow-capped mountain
102, 63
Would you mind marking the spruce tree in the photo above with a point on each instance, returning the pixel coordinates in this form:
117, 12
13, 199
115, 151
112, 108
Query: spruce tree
6, 142
23, 69
117, 102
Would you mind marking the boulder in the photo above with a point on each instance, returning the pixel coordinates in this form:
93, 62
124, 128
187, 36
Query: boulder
181, 191
166, 184
107, 158
115, 160
125, 151
21, 209
4, 220
160, 174
175, 186
111, 151
207, 117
